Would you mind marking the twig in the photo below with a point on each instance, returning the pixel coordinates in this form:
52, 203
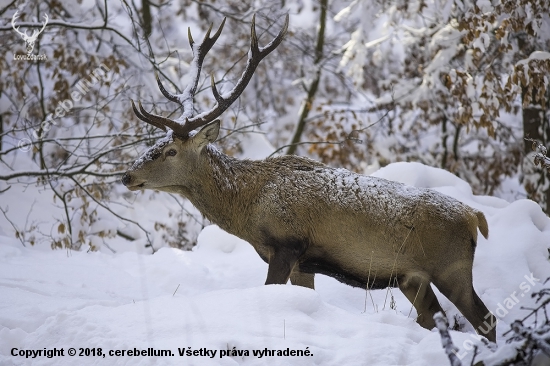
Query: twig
367, 287
176, 290
114, 213
306, 143
415, 296
475, 354
125, 236
17, 232
531, 336
533, 312
395, 264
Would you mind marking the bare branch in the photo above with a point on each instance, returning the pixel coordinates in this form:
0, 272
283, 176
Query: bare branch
18, 233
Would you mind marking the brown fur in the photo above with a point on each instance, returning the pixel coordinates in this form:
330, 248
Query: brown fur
303, 217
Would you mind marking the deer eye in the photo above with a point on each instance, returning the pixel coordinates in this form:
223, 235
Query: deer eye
171, 152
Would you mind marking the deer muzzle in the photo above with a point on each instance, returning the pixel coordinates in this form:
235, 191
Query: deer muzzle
131, 183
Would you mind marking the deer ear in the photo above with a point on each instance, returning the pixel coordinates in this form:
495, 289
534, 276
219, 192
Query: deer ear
207, 134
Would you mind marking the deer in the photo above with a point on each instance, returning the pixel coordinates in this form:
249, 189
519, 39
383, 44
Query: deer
303, 217
29, 40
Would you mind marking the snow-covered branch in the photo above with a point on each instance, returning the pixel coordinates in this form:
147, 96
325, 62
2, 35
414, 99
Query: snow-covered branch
446, 341
541, 154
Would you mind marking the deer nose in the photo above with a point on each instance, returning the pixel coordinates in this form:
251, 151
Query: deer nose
126, 179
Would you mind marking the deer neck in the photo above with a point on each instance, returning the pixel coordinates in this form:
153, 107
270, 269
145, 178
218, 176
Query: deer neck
225, 186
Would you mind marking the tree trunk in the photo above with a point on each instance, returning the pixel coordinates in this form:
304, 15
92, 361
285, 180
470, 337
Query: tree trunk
312, 89
147, 19
536, 126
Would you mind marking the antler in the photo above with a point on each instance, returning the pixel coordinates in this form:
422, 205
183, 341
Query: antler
15, 16
43, 26
186, 123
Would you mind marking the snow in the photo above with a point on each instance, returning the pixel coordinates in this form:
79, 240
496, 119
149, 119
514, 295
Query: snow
213, 298
537, 55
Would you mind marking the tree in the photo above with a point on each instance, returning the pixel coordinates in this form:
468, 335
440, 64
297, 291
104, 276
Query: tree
70, 111
463, 72
81, 143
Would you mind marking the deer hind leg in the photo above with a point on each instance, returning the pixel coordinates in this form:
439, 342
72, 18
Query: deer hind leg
416, 287
460, 291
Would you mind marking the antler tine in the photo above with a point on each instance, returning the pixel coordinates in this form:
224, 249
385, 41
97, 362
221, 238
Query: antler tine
145, 119
199, 54
201, 51
215, 93
163, 121
276, 41
208, 41
255, 56
190, 38
165, 92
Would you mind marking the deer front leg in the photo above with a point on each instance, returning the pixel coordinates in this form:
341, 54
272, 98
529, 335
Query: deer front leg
302, 279
283, 258
281, 263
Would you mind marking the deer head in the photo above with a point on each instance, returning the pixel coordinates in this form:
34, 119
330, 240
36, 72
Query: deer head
29, 40
177, 151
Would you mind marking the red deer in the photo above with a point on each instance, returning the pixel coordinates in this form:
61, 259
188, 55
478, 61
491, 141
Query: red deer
304, 217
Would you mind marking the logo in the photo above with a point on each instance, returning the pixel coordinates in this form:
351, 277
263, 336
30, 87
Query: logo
29, 40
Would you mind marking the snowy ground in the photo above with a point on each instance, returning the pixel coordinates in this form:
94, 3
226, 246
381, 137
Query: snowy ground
212, 298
